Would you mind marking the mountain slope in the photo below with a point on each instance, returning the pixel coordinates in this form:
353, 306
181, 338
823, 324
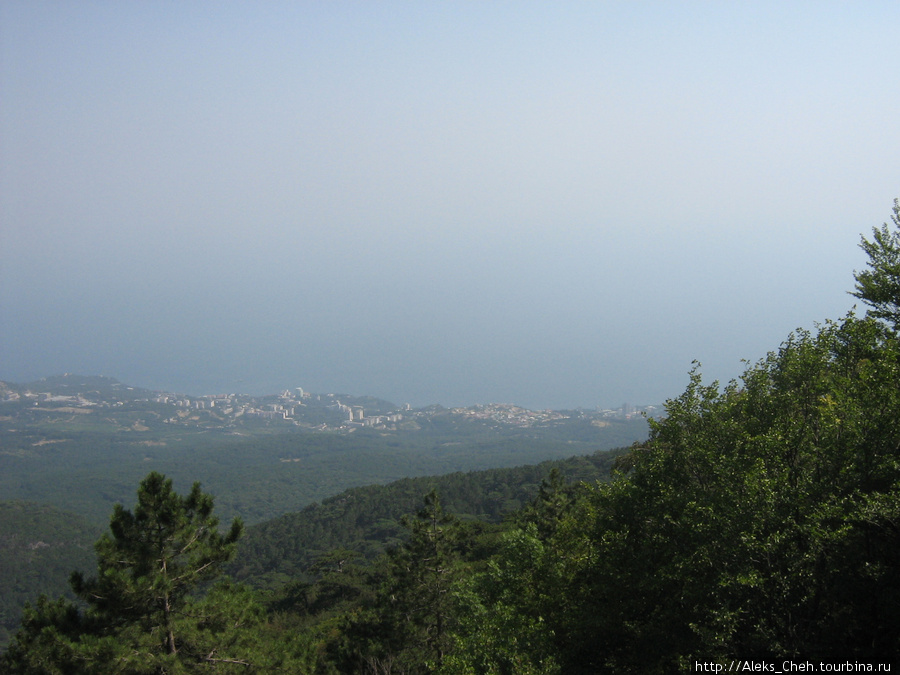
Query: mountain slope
367, 519
39, 547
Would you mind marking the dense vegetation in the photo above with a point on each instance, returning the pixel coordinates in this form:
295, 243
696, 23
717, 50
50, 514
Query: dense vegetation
366, 519
369, 520
39, 546
760, 520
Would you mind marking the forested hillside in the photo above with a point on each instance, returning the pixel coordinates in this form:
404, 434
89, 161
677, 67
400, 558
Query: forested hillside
39, 548
40, 545
759, 523
272, 472
368, 519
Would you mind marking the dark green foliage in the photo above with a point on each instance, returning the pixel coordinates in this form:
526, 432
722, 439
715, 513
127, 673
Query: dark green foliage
421, 573
506, 611
39, 546
155, 556
879, 285
368, 519
407, 626
340, 582
758, 521
140, 616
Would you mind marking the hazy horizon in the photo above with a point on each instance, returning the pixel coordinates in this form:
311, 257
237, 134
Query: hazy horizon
554, 205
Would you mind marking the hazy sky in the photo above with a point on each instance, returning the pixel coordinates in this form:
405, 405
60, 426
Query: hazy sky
550, 204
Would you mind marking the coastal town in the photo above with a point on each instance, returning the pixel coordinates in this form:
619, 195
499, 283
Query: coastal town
84, 396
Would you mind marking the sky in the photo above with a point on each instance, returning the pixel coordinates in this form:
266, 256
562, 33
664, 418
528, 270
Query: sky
550, 204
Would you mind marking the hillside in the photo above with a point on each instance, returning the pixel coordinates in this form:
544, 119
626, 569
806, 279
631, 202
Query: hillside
39, 547
368, 519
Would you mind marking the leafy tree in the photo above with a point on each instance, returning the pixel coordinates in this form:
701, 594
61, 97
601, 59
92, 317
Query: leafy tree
879, 286
510, 612
506, 614
140, 614
758, 520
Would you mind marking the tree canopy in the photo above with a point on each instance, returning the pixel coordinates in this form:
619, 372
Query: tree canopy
879, 285
139, 613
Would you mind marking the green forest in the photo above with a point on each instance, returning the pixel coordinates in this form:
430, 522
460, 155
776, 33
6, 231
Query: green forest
760, 520
267, 473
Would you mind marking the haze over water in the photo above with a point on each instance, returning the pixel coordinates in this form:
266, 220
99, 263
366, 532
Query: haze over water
548, 204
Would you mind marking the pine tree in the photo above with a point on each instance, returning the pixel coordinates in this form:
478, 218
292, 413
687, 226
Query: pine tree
407, 627
155, 556
140, 616
422, 576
